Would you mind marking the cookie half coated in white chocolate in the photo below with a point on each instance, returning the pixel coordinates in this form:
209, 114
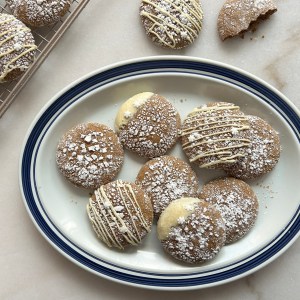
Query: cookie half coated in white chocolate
167, 178
148, 124
191, 230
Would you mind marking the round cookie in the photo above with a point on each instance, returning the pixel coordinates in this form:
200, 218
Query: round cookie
191, 230
17, 48
172, 24
238, 16
236, 202
120, 213
165, 179
89, 155
212, 135
38, 13
261, 156
148, 124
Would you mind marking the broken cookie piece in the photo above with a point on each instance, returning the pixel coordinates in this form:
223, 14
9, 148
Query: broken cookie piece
238, 16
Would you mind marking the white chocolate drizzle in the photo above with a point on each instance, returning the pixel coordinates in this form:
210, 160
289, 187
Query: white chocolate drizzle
204, 127
16, 33
187, 24
109, 221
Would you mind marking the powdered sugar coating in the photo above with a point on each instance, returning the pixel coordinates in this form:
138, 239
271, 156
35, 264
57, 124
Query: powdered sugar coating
237, 16
172, 23
39, 12
153, 129
17, 48
196, 238
236, 202
89, 155
211, 135
262, 154
120, 213
165, 179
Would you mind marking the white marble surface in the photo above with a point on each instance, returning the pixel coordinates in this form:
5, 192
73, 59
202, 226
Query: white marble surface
107, 32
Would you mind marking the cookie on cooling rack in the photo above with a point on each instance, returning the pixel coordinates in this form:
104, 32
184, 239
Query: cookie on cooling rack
39, 13
17, 48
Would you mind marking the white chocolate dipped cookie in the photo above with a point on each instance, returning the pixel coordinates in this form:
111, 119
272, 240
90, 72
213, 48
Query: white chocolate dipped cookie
191, 230
148, 124
167, 178
172, 24
212, 135
17, 48
39, 12
238, 16
120, 213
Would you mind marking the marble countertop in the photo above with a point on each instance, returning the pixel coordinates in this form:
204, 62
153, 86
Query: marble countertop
107, 32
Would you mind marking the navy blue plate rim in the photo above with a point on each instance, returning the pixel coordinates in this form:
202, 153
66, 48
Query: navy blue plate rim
147, 66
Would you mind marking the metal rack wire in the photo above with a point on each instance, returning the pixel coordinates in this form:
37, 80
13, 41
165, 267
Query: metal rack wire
45, 38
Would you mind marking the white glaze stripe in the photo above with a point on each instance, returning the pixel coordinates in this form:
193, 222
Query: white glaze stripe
238, 128
222, 156
138, 209
190, 120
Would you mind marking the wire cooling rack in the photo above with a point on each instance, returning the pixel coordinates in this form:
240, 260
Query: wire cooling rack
45, 38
